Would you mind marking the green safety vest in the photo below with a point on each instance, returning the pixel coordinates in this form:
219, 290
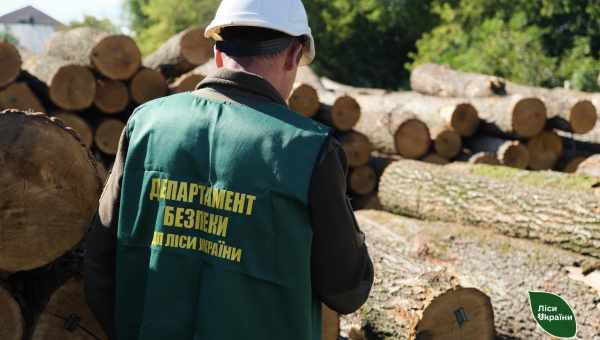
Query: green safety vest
214, 235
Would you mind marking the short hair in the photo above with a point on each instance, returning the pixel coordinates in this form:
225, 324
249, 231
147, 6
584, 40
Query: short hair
254, 42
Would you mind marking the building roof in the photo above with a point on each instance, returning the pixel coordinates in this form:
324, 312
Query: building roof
29, 15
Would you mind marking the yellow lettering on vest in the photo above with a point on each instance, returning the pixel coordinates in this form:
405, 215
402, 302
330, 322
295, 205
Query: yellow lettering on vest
168, 216
228, 200
155, 191
236, 255
193, 192
183, 192
250, 205
189, 220
157, 239
201, 189
172, 240
182, 242
226, 252
214, 251
238, 203
208, 197
178, 217
222, 227
171, 190
213, 223
191, 244
163, 189
218, 198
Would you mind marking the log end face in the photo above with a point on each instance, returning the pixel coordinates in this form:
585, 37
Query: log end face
112, 96
434, 158
11, 63
147, 85
447, 143
484, 158
544, 150
357, 148
117, 57
345, 113
186, 83
529, 117
107, 136
573, 164
19, 96
464, 311
362, 180
195, 48
73, 88
412, 139
464, 119
79, 125
514, 154
583, 117
304, 100
10, 317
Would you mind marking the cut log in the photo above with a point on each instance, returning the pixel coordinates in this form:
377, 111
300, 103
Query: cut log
590, 166
331, 85
571, 165
67, 316
83, 129
555, 208
112, 96
50, 190
10, 59
478, 158
19, 96
304, 99
362, 180
146, 85
341, 112
509, 153
434, 158
115, 56
544, 150
186, 82
415, 299
438, 113
331, 324
11, 318
181, 53
107, 136
440, 80
566, 110
70, 87
503, 268
357, 148
512, 116
368, 201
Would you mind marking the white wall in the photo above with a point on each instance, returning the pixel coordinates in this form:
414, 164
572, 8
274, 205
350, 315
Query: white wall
31, 37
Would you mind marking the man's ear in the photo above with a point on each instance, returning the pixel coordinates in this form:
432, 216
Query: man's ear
293, 56
219, 58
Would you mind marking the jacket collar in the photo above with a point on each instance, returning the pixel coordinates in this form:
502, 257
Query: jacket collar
245, 81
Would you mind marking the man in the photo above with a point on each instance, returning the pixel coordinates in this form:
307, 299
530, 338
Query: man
225, 216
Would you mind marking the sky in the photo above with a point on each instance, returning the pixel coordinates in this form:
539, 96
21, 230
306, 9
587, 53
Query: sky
69, 10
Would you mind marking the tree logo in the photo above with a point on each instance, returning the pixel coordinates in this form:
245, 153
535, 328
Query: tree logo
553, 314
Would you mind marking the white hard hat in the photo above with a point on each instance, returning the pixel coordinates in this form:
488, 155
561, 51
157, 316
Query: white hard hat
287, 16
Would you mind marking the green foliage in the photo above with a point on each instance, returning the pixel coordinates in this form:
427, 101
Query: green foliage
92, 21
9, 38
536, 42
366, 42
155, 21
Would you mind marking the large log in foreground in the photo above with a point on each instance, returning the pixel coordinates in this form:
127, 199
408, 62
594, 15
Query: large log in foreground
50, 190
555, 208
181, 53
10, 59
440, 80
67, 316
69, 86
503, 268
415, 299
11, 319
512, 116
115, 56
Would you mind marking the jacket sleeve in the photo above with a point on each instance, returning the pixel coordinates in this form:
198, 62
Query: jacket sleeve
342, 271
100, 245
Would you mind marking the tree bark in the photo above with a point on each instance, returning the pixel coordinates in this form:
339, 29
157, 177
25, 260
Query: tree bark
509, 153
362, 180
590, 166
50, 190
341, 88
357, 148
503, 268
341, 112
567, 111
304, 99
181, 53
147, 85
440, 80
115, 56
19, 96
11, 63
415, 299
69, 86
79, 125
107, 136
545, 150
512, 116
554, 208
112, 96
67, 316
11, 318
